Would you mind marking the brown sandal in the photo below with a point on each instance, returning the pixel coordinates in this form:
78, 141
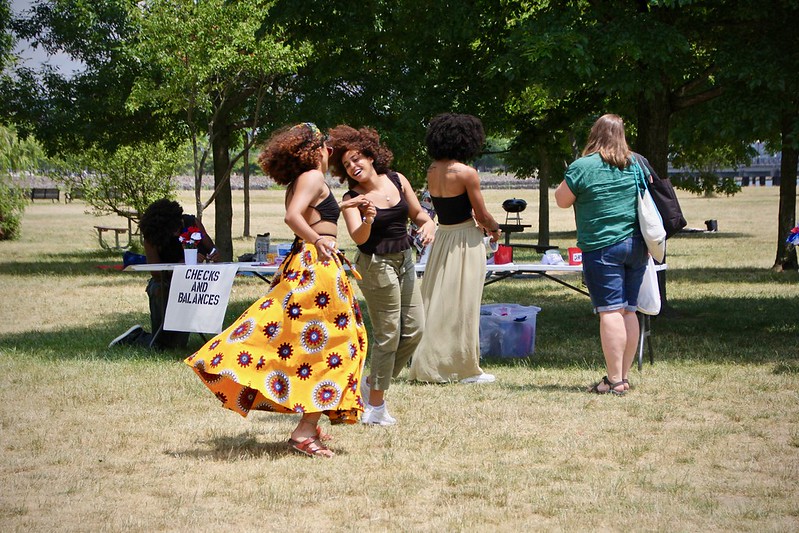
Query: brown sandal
611, 387
312, 447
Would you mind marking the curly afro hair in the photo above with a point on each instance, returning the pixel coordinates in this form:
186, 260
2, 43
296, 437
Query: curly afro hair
160, 221
455, 136
366, 141
291, 151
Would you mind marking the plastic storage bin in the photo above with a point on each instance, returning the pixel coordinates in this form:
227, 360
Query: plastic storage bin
507, 330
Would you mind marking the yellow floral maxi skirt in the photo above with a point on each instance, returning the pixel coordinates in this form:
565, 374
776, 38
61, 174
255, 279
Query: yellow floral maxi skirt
299, 349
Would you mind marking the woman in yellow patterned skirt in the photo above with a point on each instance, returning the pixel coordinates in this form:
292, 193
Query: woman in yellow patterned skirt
300, 348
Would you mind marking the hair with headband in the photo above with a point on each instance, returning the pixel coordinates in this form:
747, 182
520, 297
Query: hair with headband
291, 151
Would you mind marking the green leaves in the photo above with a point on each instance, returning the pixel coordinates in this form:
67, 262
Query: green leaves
125, 181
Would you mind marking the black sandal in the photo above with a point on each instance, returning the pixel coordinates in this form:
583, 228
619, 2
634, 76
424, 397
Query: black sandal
611, 387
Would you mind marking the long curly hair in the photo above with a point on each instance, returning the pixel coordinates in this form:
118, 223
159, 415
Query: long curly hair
607, 137
290, 151
161, 221
455, 136
366, 140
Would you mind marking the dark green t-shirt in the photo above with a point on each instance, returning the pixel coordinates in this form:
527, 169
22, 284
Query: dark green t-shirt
605, 209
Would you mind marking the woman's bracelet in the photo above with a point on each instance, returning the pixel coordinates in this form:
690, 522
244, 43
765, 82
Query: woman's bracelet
365, 222
319, 239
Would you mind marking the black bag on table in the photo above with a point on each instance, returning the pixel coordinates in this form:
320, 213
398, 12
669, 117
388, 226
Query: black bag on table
665, 198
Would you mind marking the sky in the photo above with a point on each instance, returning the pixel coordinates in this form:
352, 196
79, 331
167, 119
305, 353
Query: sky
35, 57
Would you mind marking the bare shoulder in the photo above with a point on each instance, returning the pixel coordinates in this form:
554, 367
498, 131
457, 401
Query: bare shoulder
467, 175
307, 188
311, 176
311, 180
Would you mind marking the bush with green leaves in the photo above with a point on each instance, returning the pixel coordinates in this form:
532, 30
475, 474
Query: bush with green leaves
123, 182
12, 206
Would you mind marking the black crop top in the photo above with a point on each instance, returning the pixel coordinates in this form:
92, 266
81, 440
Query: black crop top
453, 209
328, 209
389, 232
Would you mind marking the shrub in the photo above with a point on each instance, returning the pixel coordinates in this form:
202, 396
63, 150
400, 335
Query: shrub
12, 206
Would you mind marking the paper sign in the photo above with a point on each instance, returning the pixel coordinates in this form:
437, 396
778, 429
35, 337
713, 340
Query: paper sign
198, 298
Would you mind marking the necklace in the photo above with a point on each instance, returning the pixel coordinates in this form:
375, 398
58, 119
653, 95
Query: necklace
379, 193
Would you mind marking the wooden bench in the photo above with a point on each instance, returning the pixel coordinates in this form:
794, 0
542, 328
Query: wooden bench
43, 193
117, 233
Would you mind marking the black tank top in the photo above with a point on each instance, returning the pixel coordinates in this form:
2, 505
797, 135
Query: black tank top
328, 209
389, 233
453, 209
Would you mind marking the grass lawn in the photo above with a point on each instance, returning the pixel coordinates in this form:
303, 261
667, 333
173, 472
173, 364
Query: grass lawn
98, 439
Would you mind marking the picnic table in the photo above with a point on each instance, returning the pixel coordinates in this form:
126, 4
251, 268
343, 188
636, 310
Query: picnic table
117, 233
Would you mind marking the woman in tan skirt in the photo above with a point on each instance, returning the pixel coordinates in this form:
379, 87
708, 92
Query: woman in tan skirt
452, 286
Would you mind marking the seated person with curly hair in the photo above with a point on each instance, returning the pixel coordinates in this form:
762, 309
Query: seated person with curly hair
161, 225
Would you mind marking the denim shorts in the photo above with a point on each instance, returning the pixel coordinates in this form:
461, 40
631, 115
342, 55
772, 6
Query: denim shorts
613, 274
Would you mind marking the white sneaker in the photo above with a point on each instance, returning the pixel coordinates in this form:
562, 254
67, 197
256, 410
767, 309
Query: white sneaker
128, 337
480, 378
378, 416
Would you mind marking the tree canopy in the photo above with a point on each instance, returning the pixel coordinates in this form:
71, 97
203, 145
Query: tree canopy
224, 80
696, 80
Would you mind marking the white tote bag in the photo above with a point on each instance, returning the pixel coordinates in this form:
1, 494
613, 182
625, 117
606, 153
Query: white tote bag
649, 293
649, 220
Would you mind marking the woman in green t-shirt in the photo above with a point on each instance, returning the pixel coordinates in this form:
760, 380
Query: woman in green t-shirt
601, 186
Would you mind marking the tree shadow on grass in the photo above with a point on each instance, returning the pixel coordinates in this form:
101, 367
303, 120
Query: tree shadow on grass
711, 274
724, 328
65, 264
720, 329
91, 342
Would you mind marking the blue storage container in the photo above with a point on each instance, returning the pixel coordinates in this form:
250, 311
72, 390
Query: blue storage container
507, 330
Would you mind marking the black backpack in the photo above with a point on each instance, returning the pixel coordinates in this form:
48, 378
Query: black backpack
665, 198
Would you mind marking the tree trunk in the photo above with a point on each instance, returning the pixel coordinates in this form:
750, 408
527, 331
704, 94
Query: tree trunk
198, 181
653, 143
786, 253
653, 131
544, 173
223, 202
246, 159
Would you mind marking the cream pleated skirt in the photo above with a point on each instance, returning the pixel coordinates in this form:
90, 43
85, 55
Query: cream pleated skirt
452, 290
